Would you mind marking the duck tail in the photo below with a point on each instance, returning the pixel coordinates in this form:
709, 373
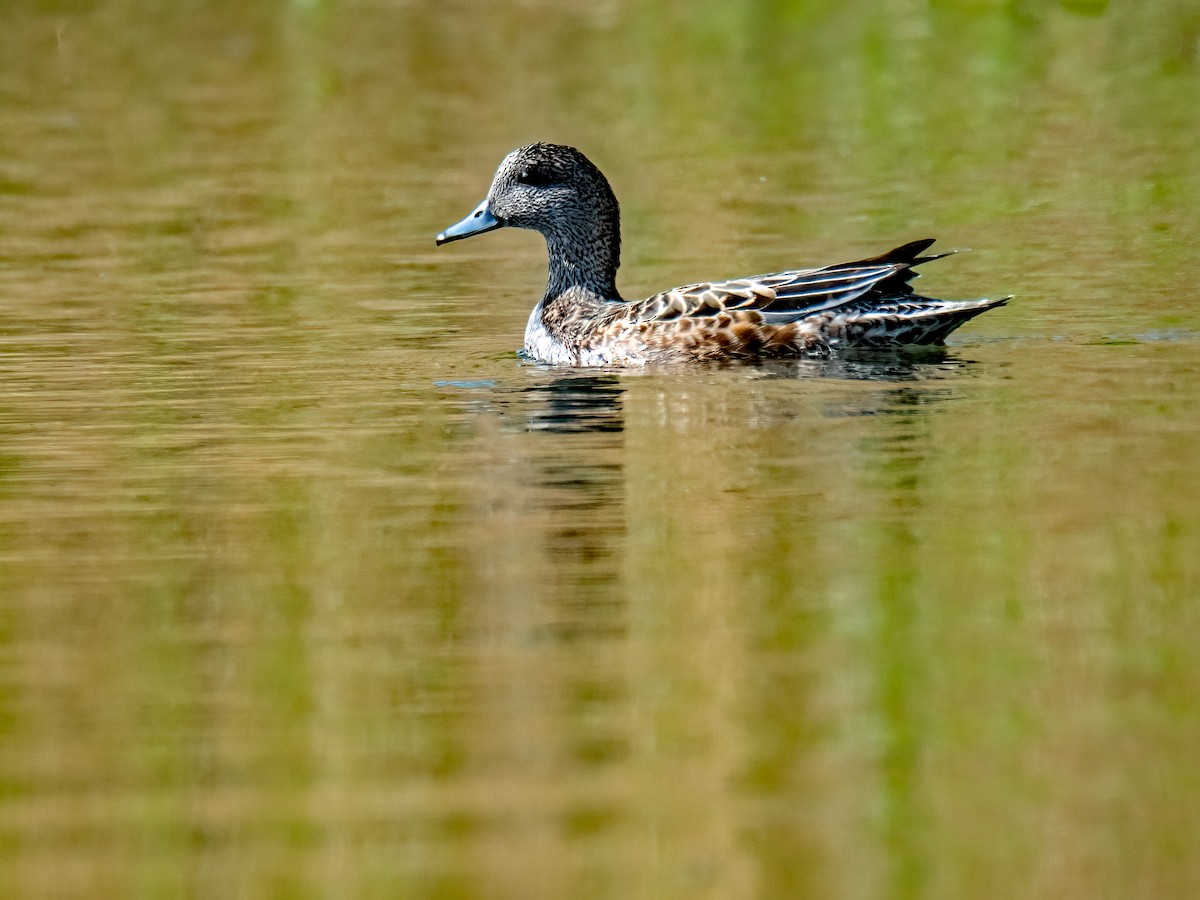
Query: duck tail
932, 326
904, 255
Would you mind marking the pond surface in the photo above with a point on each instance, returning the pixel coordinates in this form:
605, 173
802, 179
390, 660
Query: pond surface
310, 587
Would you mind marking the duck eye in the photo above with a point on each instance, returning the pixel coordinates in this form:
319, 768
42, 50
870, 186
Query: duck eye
535, 176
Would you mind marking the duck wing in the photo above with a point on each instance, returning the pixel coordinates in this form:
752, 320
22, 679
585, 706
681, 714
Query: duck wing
783, 297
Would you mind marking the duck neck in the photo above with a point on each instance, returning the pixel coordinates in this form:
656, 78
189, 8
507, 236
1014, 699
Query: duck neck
585, 265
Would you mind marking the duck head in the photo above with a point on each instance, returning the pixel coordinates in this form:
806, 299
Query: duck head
557, 191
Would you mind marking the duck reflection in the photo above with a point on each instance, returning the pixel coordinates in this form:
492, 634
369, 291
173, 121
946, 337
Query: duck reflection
603, 505
886, 365
578, 402
554, 451
577, 470
557, 464
572, 404
548, 489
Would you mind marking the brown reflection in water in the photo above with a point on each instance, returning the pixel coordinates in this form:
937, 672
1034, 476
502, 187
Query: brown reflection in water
545, 743
623, 667
570, 431
579, 465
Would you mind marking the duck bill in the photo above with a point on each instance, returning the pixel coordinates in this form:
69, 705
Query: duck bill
479, 221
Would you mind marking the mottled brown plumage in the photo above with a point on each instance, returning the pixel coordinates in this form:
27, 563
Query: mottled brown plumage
582, 319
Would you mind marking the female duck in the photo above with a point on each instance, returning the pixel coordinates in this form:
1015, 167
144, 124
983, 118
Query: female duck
583, 321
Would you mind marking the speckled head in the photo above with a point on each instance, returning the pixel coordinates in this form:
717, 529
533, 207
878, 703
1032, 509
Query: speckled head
557, 191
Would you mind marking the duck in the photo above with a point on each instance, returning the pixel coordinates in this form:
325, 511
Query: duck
583, 321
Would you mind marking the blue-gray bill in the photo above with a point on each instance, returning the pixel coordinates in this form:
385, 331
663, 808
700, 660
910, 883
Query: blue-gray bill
479, 221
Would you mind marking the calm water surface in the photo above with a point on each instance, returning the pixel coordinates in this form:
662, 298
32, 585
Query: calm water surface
310, 587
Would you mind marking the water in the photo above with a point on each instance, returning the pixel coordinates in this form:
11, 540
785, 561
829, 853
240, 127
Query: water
310, 587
